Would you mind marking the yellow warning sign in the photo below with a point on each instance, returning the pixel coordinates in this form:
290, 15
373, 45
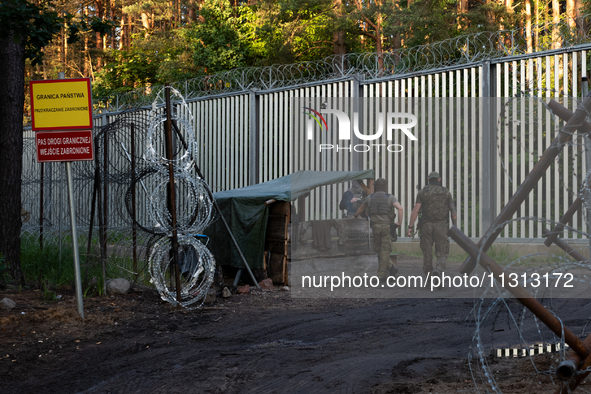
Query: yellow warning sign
62, 104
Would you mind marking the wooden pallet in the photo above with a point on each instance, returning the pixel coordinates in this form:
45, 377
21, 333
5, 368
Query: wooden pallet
278, 242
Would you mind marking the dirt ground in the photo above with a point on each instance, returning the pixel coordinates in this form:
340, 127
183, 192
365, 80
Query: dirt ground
264, 342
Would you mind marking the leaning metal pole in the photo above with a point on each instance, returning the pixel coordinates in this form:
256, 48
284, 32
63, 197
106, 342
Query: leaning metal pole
573, 371
564, 136
551, 321
572, 252
574, 207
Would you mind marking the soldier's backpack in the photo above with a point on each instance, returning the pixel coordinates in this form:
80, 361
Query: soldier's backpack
435, 203
379, 206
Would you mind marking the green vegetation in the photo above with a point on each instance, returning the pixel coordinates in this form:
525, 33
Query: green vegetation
126, 45
44, 269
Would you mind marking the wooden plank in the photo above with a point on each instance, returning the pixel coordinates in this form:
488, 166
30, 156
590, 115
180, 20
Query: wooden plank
280, 207
277, 228
286, 273
277, 246
265, 259
277, 265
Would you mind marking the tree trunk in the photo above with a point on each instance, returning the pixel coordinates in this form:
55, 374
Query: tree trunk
528, 36
12, 69
570, 13
338, 37
555, 20
192, 13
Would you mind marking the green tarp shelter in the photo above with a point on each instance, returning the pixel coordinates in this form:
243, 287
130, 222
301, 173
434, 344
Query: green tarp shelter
246, 213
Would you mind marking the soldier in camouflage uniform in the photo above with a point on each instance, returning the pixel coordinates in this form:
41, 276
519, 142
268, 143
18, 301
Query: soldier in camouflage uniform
435, 203
380, 208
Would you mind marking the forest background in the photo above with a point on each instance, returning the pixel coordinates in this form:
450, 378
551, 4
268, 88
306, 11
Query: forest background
125, 44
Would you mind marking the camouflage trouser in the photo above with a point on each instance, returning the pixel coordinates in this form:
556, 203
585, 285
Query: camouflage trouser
434, 232
382, 244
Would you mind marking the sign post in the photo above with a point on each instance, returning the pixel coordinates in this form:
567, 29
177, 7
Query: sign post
61, 112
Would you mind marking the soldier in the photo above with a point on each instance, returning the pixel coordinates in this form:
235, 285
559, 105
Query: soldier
352, 199
435, 203
379, 206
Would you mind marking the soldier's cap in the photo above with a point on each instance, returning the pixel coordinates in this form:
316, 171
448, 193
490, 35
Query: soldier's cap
434, 175
380, 184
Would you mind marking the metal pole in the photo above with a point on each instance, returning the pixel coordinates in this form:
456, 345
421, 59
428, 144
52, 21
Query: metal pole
489, 140
585, 91
105, 193
566, 247
95, 192
253, 149
172, 197
579, 373
41, 207
101, 208
60, 212
574, 207
77, 277
133, 207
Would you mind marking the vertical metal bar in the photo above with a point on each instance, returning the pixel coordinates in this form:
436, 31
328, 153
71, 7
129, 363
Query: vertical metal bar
105, 197
506, 154
60, 211
466, 159
101, 207
475, 148
41, 206
488, 179
450, 135
566, 157
530, 149
432, 164
576, 158
222, 166
95, 193
436, 127
445, 157
282, 141
356, 164
522, 139
540, 149
133, 206
585, 92
557, 191
253, 142
264, 147
217, 151
461, 200
424, 136
514, 152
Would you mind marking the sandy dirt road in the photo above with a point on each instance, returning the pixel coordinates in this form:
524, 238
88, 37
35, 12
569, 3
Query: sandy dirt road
262, 342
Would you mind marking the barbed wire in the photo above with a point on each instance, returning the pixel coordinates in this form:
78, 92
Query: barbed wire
462, 50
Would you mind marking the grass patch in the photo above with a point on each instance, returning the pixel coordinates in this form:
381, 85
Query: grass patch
44, 269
